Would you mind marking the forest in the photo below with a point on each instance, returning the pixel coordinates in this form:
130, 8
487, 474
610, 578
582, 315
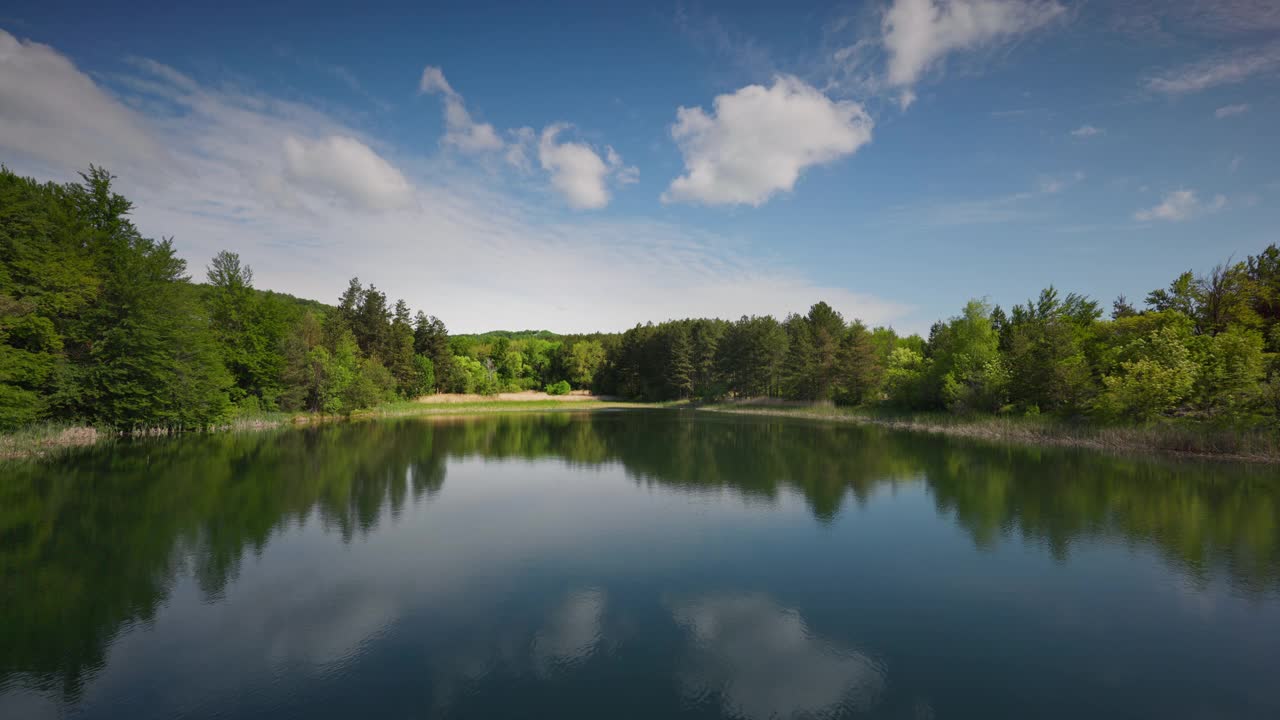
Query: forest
102, 326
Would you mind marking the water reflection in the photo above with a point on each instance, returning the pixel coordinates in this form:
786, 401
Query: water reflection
763, 662
572, 633
92, 544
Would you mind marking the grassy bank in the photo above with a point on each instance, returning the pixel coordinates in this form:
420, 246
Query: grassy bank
1191, 439
50, 440
44, 441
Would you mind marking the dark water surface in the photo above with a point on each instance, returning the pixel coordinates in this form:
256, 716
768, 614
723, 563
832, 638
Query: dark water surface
634, 564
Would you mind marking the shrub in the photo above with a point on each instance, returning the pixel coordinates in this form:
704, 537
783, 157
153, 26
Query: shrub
558, 388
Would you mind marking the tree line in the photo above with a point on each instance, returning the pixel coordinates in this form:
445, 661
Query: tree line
101, 325
1206, 347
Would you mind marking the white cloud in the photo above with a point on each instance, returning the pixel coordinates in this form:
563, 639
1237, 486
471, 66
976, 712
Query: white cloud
1181, 205
208, 165
1225, 69
919, 33
1086, 131
461, 131
758, 140
577, 171
345, 169
623, 174
56, 116
522, 141
1227, 111
433, 81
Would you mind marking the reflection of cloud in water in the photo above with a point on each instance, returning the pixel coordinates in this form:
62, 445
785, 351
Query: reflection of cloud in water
572, 632
330, 631
764, 663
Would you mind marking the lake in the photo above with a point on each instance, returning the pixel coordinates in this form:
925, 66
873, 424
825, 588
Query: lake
634, 564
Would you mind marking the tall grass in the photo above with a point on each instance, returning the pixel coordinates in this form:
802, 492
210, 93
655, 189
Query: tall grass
49, 439
1258, 444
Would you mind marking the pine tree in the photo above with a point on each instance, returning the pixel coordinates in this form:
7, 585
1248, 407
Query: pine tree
680, 372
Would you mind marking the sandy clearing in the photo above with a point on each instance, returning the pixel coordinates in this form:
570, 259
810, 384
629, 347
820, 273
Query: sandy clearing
526, 396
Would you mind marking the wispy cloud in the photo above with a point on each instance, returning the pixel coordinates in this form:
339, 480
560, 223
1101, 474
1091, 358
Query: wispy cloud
1166, 20
1227, 111
577, 171
461, 131
745, 54
1011, 207
1181, 205
1224, 69
1086, 131
918, 34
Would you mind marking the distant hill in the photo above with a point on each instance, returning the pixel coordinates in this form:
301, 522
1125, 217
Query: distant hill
492, 335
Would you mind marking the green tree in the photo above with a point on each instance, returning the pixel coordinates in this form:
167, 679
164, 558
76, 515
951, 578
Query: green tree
1158, 374
431, 338
1045, 351
969, 370
399, 352
585, 360
907, 378
143, 352
1229, 383
680, 373
826, 332
860, 370
248, 328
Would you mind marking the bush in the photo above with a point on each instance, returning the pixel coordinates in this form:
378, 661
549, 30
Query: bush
558, 388
248, 406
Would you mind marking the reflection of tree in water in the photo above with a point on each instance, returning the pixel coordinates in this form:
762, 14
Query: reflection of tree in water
1199, 516
93, 542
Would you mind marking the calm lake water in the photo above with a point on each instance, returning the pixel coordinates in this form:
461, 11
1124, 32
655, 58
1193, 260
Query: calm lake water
634, 564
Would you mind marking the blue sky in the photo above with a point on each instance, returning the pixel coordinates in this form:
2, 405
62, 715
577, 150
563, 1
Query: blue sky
579, 166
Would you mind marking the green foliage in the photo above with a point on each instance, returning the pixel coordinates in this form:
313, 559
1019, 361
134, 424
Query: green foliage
752, 357
1157, 376
97, 323
560, 387
907, 378
967, 365
1043, 347
249, 328
1229, 383
424, 382
583, 361
474, 377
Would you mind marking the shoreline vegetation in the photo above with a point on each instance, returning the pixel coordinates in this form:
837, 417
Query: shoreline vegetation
103, 333
1187, 441
39, 442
